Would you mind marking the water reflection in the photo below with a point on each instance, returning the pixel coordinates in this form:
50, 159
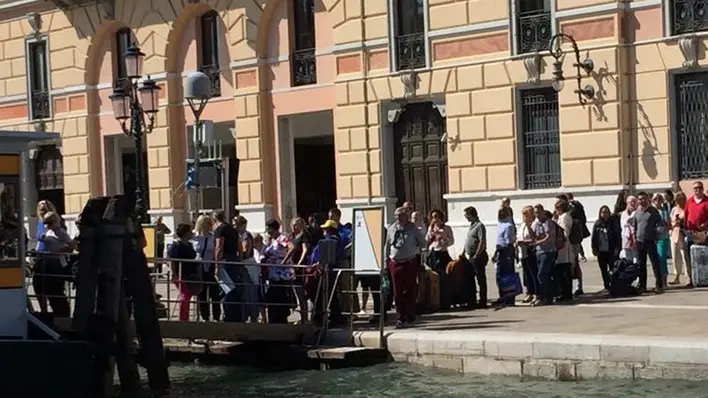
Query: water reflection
403, 380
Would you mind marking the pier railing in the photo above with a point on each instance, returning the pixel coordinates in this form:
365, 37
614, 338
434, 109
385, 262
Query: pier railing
188, 293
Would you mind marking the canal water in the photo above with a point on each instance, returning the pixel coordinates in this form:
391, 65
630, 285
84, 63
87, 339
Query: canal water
404, 380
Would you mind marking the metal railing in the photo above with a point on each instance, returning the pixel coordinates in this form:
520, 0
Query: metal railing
300, 297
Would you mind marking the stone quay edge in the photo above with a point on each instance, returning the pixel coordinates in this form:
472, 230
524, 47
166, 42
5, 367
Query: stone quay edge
555, 356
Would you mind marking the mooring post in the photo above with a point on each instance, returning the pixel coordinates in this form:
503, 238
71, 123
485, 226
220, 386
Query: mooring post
90, 238
151, 351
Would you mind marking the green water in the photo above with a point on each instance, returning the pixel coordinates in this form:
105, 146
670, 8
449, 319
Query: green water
404, 380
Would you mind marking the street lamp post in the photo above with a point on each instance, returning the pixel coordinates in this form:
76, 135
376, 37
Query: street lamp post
131, 105
197, 92
558, 81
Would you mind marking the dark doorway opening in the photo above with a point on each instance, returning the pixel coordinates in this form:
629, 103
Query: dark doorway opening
315, 175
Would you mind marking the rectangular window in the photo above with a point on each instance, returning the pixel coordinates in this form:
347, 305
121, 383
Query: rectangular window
303, 60
209, 52
533, 25
123, 41
688, 16
540, 139
410, 34
38, 80
691, 104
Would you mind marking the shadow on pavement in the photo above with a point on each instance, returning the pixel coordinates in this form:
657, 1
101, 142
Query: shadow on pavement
469, 325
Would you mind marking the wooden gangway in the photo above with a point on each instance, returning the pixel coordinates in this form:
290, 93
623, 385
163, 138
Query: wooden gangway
227, 331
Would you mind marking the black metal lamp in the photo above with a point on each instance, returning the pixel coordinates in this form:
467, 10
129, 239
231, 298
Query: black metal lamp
587, 65
133, 61
130, 105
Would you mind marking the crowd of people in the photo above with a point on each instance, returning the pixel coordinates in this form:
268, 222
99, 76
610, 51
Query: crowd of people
547, 247
252, 277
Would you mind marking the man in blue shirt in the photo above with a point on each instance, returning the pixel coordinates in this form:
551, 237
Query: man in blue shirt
330, 235
343, 230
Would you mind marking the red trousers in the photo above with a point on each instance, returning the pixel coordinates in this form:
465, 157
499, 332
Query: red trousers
404, 277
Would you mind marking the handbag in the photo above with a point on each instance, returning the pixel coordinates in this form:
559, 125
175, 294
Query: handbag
509, 285
700, 237
196, 286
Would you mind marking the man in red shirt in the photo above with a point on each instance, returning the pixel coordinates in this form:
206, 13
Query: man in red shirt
696, 212
695, 218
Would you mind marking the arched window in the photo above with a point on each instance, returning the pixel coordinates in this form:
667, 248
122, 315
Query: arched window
122, 42
209, 50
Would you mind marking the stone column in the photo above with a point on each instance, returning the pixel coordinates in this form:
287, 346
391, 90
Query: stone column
255, 150
166, 150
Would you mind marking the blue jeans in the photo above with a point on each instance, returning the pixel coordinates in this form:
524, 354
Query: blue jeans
545, 263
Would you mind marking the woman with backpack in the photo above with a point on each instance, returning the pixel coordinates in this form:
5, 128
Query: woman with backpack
606, 243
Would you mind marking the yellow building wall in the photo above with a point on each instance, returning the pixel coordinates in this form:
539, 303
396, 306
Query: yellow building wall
621, 136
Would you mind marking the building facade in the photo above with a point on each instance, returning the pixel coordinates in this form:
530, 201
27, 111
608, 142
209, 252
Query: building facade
445, 103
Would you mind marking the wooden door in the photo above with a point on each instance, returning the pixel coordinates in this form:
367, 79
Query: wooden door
420, 157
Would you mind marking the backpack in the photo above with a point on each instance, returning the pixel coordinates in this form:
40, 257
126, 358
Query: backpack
576, 232
579, 230
623, 275
560, 236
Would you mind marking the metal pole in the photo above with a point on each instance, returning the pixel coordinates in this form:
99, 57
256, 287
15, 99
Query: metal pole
197, 156
382, 308
325, 303
137, 130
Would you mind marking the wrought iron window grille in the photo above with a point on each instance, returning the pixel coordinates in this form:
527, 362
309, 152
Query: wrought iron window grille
214, 74
535, 31
304, 67
411, 51
540, 139
40, 104
692, 125
689, 16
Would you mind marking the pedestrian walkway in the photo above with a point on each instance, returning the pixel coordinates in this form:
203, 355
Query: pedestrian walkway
650, 336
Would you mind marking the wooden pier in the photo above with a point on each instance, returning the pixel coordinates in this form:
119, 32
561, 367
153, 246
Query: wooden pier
224, 331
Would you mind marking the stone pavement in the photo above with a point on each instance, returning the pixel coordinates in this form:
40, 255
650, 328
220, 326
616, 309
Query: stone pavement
651, 336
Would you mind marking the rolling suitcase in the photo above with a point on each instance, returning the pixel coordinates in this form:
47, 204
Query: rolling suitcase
422, 293
456, 282
699, 265
433, 297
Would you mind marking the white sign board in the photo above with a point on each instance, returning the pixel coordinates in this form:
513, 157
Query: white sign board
368, 240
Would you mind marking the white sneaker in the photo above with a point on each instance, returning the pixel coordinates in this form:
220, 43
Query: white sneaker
362, 313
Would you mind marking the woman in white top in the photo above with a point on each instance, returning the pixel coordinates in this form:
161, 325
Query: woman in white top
210, 295
564, 255
527, 253
49, 279
628, 245
439, 238
679, 253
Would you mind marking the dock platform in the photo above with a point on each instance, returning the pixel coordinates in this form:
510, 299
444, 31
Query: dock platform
348, 356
